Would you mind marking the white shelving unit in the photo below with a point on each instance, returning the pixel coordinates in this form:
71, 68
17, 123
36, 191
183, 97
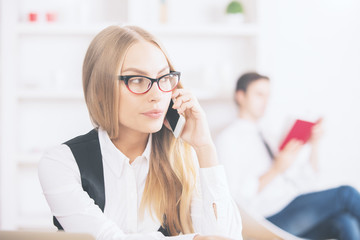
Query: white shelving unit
49, 95
42, 102
248, 29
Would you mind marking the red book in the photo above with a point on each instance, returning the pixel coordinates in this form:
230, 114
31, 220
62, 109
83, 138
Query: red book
301, 130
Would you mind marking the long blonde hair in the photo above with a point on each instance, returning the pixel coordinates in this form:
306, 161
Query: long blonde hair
171, 178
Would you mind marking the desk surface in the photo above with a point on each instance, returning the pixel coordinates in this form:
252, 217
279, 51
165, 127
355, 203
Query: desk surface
32, 235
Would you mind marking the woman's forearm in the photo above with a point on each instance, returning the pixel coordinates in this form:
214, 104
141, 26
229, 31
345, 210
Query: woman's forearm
207, 156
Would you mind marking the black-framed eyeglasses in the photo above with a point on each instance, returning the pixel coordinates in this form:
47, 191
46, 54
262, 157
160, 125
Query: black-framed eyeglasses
139, 84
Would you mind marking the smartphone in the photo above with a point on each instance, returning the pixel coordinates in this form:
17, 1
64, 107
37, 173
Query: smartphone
176, 120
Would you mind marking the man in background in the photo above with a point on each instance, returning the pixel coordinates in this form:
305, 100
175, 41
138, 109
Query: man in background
278, 185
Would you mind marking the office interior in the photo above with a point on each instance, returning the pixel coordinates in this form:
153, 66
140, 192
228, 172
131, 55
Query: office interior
310, 50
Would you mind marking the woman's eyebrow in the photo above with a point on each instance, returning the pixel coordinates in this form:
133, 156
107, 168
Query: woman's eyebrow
139, 71
165, 68
134, 70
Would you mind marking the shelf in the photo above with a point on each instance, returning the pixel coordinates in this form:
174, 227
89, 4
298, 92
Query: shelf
205, 30
57, 29
49, 95
193, 30
28, 160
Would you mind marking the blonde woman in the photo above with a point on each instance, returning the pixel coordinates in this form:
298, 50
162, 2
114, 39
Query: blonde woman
130, 178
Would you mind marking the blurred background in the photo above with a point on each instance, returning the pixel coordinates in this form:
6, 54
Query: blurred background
309, 48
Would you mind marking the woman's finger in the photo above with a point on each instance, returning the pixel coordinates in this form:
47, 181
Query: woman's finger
180, 100
178, 92
185, 106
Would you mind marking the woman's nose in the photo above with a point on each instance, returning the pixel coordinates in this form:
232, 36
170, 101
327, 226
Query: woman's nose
154, 93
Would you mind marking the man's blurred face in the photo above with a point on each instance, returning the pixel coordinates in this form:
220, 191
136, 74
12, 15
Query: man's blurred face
253, 102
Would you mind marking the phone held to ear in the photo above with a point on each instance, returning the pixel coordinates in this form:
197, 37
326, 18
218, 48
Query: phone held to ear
176, 121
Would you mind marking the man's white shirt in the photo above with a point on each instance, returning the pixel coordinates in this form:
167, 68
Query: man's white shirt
242, 152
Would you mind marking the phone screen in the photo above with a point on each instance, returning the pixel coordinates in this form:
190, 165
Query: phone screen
172, 116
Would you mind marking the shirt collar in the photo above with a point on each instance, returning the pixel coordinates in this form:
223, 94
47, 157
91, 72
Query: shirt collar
147, 150
113, 157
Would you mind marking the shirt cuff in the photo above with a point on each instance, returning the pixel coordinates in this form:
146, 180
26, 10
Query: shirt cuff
213, 181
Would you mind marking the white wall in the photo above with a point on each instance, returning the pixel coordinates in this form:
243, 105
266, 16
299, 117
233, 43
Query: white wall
312, 54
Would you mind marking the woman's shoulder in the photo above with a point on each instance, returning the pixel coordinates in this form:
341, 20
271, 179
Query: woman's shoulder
56, 152
62, 154
58, 171
56, 159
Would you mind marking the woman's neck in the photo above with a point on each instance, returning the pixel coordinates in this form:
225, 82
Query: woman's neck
131, 143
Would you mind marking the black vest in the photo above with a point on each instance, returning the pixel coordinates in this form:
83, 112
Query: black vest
87, 153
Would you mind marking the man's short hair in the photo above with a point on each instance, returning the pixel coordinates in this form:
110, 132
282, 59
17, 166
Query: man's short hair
244, 80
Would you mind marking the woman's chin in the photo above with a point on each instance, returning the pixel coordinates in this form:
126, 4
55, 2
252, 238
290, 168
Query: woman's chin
154, 128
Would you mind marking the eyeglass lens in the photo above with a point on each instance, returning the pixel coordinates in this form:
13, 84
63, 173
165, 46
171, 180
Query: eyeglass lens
142, 84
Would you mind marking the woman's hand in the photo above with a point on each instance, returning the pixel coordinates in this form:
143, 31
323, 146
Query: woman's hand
196, 131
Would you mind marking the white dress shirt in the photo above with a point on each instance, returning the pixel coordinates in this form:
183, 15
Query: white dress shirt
124, 185
242, 152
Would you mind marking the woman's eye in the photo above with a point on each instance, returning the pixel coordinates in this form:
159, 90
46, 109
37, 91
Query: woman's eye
166, 78
137, 80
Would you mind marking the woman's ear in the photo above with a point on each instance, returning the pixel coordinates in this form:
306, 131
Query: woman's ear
239, 97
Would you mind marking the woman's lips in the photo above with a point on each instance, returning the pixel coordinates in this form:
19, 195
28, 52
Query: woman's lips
155, 114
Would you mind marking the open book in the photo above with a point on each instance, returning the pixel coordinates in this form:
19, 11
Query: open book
300, 130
